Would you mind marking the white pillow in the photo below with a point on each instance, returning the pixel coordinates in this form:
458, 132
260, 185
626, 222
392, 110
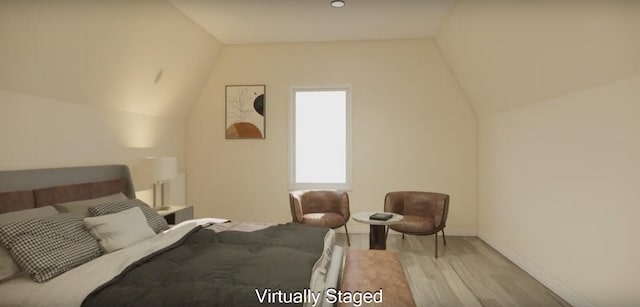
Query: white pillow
82, 206
8, 268
119, 230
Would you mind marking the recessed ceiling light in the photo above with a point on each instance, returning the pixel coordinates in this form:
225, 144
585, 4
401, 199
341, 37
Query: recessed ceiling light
337, 3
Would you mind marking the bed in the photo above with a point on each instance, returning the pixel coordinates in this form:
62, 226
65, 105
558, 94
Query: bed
195, 263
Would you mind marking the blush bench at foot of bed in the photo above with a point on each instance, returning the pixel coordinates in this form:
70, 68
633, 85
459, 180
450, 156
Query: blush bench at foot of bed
372, 270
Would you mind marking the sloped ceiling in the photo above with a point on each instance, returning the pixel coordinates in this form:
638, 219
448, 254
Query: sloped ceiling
511, 53
274, 21
142, 57
110, 53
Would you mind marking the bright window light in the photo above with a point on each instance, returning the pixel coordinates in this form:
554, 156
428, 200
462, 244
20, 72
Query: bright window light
321, 138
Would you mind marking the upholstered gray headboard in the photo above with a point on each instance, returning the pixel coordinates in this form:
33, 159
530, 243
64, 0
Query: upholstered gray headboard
47, 186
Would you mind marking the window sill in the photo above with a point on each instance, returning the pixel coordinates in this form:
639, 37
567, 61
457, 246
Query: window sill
320, 186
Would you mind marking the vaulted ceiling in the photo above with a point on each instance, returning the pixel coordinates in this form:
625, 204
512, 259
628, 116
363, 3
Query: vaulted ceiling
153, 57
507, 54
140, 56
275, 21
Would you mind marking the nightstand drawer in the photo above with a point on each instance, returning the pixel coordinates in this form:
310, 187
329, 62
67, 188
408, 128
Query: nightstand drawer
177, 214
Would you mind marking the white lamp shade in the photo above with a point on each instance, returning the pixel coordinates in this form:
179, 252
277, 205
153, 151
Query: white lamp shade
162, 168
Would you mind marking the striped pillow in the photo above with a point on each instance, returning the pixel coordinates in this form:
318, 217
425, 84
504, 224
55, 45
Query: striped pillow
47, 247
155, 221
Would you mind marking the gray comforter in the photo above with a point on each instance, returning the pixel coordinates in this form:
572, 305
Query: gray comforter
218, 269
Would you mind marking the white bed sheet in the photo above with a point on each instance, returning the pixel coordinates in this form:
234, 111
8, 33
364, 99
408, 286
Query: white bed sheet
71, 288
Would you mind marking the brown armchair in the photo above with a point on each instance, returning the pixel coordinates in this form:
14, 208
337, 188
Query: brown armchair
425, 213
329, 208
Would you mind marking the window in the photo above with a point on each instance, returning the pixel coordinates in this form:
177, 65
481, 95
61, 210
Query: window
320, 138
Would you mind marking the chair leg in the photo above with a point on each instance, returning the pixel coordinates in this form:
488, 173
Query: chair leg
436, 245
402, 236
348, 240
444, 238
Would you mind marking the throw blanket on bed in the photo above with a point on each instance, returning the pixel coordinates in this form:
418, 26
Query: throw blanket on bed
218, 269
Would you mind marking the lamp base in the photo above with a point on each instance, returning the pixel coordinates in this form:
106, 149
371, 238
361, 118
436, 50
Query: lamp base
162, 207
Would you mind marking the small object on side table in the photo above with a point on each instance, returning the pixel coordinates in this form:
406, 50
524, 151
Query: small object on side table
381, 216
176, 214
377, 238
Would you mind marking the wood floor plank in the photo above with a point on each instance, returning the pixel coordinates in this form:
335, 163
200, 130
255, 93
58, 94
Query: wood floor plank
521, 296
476, 283
468, 272
462, 292
487, 251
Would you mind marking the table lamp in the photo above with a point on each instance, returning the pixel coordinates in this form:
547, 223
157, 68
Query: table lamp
161, 170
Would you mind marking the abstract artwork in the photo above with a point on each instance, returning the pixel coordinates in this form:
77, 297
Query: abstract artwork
245, 110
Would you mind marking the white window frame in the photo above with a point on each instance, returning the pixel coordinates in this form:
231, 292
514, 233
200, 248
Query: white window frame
293, 185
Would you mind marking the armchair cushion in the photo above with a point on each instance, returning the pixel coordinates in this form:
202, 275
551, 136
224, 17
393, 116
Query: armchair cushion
414, 224
424, 212
327, 219
325, 201
328, 208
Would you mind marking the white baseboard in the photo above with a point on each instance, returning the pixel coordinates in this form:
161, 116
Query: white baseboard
363, 228
558, 288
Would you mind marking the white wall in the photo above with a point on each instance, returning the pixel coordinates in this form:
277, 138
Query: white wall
105, 53
412, 129
555, 85
79, 84
38, 132
508, 54
559, 188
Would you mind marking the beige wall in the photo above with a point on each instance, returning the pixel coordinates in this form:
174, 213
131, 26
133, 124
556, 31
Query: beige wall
105, 53
555, 85
78, 82
412, 129
559, 188
507, 54
38, 132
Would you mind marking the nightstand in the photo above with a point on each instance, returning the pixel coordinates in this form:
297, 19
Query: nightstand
176, 214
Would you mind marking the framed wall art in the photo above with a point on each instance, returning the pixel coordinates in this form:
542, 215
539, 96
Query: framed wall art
245, 111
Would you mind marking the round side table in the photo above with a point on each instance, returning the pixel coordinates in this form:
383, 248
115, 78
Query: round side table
377, 239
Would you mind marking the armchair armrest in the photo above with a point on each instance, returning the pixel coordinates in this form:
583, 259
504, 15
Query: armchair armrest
344, 206
296, 207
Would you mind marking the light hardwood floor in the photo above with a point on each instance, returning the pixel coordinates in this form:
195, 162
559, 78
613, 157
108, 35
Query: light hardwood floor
468, 272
